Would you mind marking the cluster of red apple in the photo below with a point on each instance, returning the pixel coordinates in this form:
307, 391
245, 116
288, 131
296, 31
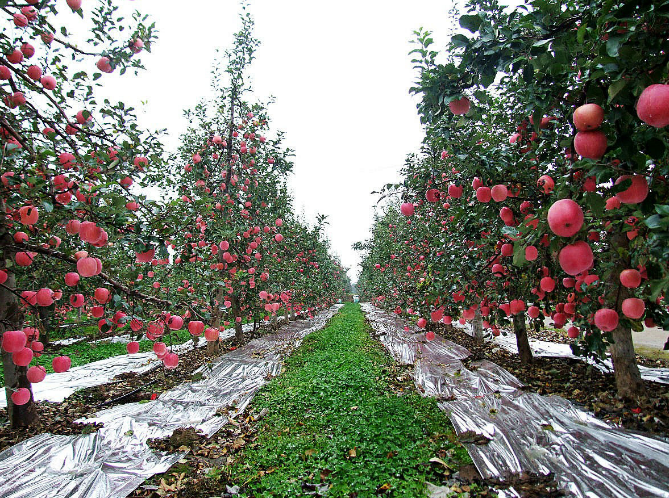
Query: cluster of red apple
565, 216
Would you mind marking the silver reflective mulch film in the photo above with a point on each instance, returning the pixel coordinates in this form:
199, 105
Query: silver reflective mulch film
113, 461
57, 387
527, 432
555, 350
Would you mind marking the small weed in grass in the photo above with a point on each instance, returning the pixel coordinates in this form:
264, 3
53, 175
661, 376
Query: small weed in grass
334, 421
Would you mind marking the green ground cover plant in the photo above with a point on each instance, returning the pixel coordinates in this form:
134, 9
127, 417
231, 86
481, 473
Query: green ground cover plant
338, 417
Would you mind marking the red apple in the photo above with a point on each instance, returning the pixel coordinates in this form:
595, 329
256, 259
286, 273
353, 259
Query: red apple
590, 144
22, 358
196, 327
547, 183
588, 117
211, 334
483, 194
24, 258
576, 258
407, 209
104, 64
432, 195
606, 319
507, 250
48, 82
633, 308
13, 341
34, 73
175, 322
653, 106
102, 295
61, 364
44, 297
499, 193
636, 192
20, 20
460, 106
454, 191
565, 218
547, 284
630, 278
77, 300
36, 374
171, 360
21, 396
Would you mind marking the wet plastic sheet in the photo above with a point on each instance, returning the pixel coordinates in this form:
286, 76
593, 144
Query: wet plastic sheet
528, 432
115, 460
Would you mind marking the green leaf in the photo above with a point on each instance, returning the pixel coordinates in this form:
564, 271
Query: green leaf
657, 287
487, 80
459, 40
615, 88
541, 43
48, 207
528, 73
653, 222
613, 45
470, 22
580, 34
596, 203
519, 254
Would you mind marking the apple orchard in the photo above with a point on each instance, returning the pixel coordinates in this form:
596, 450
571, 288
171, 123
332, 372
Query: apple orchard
79, 235
540, 195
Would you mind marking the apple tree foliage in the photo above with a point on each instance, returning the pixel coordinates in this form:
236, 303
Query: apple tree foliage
78, 231
524, 71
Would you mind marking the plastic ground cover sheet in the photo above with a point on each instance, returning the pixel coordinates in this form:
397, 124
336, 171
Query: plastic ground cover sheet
57, 387
113, 461
526, 432
551, 349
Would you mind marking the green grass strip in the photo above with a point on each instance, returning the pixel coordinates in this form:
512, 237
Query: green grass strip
334, 418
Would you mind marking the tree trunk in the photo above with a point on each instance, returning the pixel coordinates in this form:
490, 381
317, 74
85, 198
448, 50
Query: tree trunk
44, 313
274, 322
286, 313
11, 318
237, 313
522, 342
213, 348
625, 369
477, 326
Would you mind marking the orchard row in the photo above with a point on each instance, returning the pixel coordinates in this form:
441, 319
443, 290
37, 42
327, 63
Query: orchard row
541, 194
81, 229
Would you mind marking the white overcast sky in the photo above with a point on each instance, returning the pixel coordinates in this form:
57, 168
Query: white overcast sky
340, 73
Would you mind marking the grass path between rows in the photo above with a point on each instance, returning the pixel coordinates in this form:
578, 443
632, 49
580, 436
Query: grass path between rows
338, 416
